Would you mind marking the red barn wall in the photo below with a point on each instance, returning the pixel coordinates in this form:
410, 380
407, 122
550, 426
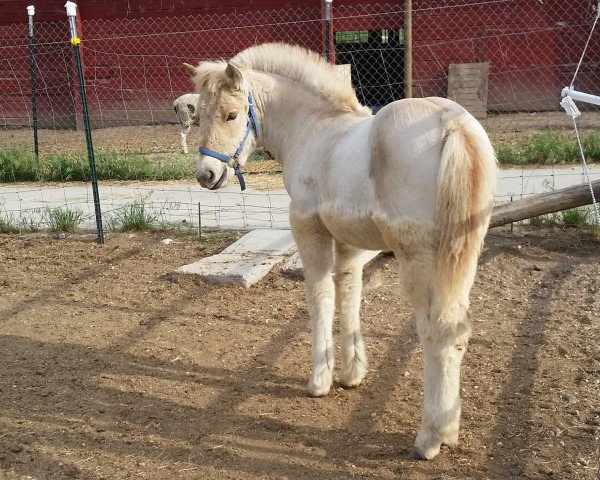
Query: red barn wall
133, 53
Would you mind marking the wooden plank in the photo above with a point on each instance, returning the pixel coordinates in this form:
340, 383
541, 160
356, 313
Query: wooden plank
549, 202
468, 86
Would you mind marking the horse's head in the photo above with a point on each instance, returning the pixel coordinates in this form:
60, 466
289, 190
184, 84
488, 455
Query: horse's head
228, 125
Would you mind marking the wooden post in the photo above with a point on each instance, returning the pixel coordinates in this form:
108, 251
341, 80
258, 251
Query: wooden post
408, 93
550, 202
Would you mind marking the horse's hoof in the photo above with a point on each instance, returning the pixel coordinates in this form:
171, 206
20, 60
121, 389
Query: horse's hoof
426, 446
416, 455
354, 375
320, 381
314, 391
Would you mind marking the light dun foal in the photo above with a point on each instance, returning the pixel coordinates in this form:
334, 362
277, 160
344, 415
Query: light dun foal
415, 178
185, 109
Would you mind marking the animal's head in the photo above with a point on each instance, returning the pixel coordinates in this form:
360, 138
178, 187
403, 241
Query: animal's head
223, 113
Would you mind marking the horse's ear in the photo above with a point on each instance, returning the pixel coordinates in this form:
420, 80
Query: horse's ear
234, 76
190, 69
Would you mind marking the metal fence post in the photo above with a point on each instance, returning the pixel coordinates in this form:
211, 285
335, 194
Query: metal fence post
72, 14
30, 14
327, 29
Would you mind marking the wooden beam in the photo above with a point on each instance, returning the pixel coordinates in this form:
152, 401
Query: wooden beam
549, 202
408, 90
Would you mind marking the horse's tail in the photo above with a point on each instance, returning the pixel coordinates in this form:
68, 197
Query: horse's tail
464, 199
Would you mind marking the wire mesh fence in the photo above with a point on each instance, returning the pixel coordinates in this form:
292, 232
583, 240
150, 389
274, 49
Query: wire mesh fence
504, 60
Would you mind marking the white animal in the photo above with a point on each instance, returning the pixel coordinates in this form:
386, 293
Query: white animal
185, 108
415, 178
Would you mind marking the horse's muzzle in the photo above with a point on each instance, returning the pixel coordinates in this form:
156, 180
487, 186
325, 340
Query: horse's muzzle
212, 179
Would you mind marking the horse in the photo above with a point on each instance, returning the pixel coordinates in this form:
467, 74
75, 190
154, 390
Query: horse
416, 178
185, 109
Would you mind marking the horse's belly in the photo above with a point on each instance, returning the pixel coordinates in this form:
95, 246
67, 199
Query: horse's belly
356, 230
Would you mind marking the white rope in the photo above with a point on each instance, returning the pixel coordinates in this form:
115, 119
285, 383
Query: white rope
587, 173
572, 110
587, 43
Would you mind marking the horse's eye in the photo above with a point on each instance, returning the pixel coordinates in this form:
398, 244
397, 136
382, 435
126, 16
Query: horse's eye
232, 116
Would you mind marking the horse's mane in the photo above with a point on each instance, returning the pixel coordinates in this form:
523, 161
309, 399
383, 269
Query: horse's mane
304, 67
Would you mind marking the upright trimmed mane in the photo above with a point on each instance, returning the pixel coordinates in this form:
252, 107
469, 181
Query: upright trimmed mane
304, 67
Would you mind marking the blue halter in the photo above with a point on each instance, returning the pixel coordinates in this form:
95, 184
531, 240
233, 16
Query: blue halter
232, 161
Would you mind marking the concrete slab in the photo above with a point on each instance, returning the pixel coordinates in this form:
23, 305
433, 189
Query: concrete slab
246, 261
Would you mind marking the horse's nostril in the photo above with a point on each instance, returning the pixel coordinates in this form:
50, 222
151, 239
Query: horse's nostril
210, 175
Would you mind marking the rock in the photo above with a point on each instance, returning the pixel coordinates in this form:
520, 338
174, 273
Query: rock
166, 241
582, 462
15, 448
515, 471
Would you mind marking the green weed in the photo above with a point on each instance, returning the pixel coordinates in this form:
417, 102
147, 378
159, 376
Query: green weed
8, 223
63, 219
576, 217
135, 216
543, 220
18, 166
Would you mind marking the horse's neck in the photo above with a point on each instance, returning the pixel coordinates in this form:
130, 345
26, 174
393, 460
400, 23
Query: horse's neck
288, 111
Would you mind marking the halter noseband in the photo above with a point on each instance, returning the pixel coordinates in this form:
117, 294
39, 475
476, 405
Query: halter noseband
232, 161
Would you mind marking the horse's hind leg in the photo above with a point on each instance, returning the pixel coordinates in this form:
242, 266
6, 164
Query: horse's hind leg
444, 332
315, 246
349, 264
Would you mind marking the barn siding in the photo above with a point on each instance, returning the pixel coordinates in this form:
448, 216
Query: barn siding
134, 75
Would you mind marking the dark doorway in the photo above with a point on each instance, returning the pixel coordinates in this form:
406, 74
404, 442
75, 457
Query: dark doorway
377, 64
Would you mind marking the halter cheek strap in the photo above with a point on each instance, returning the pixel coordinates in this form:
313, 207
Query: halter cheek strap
232, 160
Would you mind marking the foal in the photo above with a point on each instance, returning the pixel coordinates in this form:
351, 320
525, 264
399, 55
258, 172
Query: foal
415, 178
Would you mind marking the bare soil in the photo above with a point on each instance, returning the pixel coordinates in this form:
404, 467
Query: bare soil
155, 139
115, 368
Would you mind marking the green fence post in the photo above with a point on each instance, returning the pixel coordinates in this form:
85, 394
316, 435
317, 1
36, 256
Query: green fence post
30, 13
72, 14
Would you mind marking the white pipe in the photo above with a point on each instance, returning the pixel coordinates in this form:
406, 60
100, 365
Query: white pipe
71, 9
31, 10
580, 96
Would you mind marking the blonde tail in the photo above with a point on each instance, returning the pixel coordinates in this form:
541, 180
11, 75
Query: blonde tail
464, 199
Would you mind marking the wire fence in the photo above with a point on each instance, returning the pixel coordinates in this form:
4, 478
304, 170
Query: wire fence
504, 60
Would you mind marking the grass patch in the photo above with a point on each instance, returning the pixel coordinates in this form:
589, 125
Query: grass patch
8, 224
135, 216
25, 223
63, 219
549, 149
543, 220
18, 166
576, 217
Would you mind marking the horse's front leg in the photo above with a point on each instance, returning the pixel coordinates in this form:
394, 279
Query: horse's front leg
349, 263
315, 246
185, 129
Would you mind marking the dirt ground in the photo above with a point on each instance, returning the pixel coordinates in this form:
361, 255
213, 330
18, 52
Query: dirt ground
507, 128
116, 368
